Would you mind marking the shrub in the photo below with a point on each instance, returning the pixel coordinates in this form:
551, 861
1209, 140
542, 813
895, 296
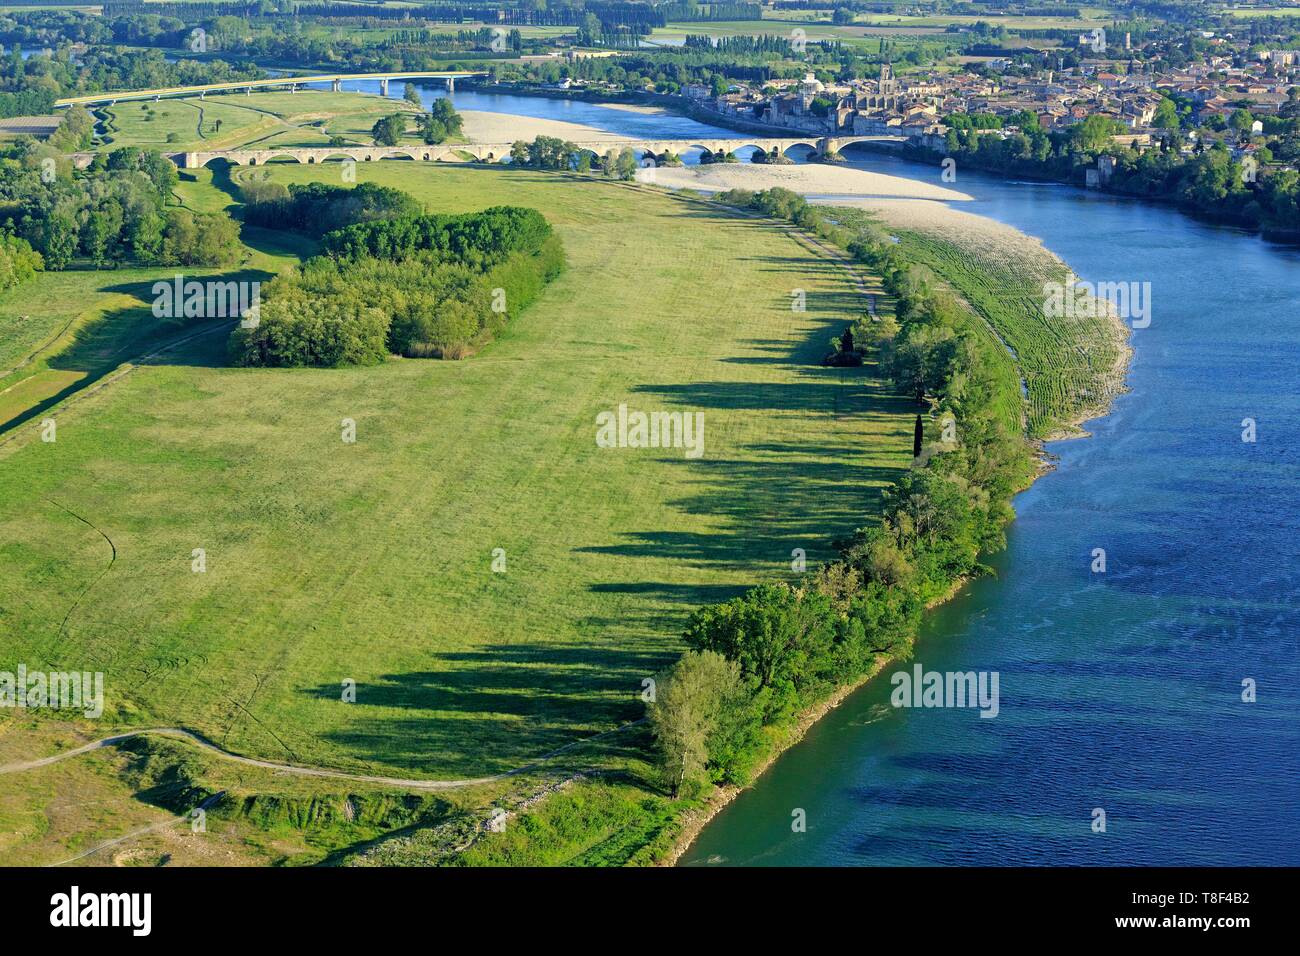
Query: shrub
18, 261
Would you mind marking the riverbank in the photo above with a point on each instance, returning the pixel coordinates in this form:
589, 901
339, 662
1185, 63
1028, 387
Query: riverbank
1073, 366
1020, 267
808, 179
1028, 256
696, 820
1034, 619
485, 127
676, 105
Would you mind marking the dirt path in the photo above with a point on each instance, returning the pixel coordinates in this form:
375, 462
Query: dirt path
403, 783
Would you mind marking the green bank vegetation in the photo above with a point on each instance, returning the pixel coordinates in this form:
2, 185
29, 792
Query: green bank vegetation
758, 661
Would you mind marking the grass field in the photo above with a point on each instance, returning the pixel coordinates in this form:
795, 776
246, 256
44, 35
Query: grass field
372, 561
1072, 368
266, 120
1247, 13
1053, 372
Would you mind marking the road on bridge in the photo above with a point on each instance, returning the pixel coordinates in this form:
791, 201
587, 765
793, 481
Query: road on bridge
261, 84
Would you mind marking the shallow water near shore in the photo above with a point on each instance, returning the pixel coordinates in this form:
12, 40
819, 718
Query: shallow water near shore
1122, 691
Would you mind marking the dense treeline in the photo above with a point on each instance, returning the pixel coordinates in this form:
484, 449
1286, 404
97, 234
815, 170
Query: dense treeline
479, 239
32, 85
113, 212
318, 208
416, 286
758, 660
1209, 181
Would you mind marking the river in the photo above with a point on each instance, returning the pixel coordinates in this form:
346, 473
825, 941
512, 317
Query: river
1119, 691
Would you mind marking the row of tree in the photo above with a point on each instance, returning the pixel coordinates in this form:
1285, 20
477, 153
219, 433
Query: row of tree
549, 152
756, 661
478, 239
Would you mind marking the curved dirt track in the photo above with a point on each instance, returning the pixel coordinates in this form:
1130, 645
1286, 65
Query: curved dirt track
204, 744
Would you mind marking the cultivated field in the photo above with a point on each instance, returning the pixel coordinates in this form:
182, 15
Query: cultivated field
372, 561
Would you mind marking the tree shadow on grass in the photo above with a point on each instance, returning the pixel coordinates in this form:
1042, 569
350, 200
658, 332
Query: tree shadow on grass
135, 335
496, 710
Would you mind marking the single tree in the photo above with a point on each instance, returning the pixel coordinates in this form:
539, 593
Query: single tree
689, 701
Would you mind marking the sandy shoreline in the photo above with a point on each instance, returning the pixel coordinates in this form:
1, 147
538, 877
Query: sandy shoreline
637, 108
806, 178
485, 127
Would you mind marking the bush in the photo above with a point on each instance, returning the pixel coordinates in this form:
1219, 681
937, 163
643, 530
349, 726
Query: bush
205, 239
18, 261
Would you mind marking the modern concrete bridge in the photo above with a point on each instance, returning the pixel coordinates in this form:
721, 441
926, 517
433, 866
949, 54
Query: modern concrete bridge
247, 86
495, 152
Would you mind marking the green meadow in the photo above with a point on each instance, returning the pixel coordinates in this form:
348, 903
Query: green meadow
372, 561
263, 120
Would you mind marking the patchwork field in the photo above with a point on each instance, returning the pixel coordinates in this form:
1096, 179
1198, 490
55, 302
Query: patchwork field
373, 561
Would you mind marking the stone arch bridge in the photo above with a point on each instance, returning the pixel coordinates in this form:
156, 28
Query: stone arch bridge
495, 152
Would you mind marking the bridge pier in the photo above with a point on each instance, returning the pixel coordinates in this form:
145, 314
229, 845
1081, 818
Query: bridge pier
383, 86
293, 87
451, 85
490, 152
337, 85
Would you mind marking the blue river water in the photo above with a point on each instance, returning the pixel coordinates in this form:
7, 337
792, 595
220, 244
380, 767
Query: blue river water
1121, 691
